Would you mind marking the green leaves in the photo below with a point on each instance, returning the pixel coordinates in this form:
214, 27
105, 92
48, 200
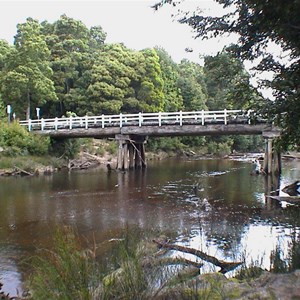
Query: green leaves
262, 26
25, 79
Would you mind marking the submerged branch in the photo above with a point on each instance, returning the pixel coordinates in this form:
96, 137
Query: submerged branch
225, 266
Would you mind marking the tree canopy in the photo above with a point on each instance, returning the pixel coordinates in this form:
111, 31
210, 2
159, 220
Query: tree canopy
66, 68
260, 25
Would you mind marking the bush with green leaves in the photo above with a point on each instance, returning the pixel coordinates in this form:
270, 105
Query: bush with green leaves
16, 140
167, 144
66, 148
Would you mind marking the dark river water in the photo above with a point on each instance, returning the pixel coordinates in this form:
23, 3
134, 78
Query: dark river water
213, 205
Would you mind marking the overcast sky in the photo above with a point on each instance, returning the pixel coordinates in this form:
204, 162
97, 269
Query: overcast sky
132, 22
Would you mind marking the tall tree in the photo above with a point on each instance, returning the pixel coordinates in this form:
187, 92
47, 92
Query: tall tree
170, 75
123, 80
26, 77
192, 85
110, 78
5, 51
72, 47
228, 83
260, 23
149, 92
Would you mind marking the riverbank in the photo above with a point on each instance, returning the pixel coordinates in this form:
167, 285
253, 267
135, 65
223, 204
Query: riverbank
33, 166
102, 153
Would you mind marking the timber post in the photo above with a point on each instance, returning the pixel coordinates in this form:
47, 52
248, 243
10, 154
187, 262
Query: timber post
272, 158
131, 152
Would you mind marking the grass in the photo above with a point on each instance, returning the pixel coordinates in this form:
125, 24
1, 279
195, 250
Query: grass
28, 162
66, 272
70, 271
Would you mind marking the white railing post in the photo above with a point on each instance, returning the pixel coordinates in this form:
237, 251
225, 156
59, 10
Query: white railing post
42, 124
70, 123
248, 115
202, 116
29, 125
120, 120
86, 122
102, 121
180, 118
225, 116
140, 119
159, 119
55, 123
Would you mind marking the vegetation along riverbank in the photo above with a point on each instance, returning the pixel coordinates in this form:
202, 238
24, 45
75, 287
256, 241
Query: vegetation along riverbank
141, 270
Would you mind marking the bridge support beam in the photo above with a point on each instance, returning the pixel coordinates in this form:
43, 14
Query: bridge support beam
131, 152
272, 158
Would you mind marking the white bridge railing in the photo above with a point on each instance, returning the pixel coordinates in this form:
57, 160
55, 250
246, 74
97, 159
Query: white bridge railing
141, 119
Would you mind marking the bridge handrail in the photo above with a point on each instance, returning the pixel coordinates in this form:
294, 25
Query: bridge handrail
140, 119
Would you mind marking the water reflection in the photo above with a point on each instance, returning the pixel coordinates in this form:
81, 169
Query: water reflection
213, 205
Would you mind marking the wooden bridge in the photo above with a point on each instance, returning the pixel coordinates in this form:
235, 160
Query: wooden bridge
132, 130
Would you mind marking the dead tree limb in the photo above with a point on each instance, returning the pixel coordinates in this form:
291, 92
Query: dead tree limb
225, 266
171, 261
19, 171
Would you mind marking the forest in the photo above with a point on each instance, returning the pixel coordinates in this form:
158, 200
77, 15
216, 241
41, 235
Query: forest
64, 68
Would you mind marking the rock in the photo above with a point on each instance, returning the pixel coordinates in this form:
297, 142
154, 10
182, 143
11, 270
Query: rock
274, 286
218, 286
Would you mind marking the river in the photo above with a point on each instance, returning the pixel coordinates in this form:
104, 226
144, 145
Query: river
211, 204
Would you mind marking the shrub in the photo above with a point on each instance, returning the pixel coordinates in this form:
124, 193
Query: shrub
16, 140
112, 148
66, 148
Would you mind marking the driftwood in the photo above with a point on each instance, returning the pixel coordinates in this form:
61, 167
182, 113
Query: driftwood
225, 266
19, 171
16, 172
290, 199
154, 261
82, 164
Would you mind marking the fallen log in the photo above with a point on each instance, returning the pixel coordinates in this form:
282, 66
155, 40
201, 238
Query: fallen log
170, 261
288, 199
225, 266
19, 171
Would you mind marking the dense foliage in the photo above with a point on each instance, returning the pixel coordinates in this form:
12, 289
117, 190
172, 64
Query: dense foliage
64, 66
262, 26
16, 140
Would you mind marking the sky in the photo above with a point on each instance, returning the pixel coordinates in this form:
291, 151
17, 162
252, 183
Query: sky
131, 22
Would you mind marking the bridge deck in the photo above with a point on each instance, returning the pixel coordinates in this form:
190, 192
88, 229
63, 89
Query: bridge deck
151, 124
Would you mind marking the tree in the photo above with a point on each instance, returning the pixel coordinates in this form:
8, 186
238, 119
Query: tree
5, 51
26, 76
192, 85
170, 75
110, 79
228, 83
259, 24
123, 80
72, 47
149, 91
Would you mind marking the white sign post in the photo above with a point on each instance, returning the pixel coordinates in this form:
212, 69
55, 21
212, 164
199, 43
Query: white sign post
38, 112
8, 110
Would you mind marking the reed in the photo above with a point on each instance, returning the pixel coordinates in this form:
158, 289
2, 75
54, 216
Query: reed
66, 272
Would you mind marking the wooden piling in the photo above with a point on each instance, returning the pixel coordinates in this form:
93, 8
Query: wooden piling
131, 152
272, 160
131, 156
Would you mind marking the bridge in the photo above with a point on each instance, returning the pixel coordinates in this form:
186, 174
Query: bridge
132, 130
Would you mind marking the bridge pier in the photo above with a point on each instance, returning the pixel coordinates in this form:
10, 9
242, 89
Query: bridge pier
272, 158
131, 152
